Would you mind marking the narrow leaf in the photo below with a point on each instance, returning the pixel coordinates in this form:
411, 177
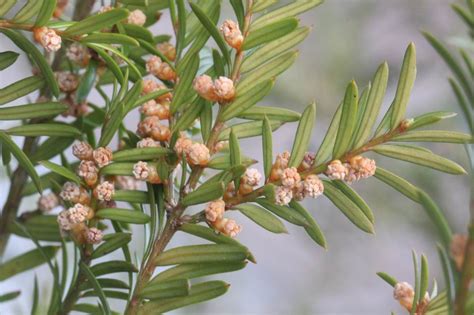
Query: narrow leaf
420, 157
123, 215
21, 158
269, 32
303, 135
197, 294
262, 217
204, 194
26, 261
348, 121
348, 207
96, 22
7, 58
405, 84
192, 254
61, 170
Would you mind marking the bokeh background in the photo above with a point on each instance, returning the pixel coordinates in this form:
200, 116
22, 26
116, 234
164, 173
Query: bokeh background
350, 38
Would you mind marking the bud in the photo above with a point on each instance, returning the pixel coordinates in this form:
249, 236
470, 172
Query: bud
336, 170
283, 195
290, 177
104, 191
67, 81
144, 171
102, 156
136, 17
168, 50
160, 68
227, 226
406, 123
146, 126
147, 143
78, 54
78, 213
204, 86
47, 38
82, 150
215, 210
403, 292
126, 182
232, 34
252, 177
224, 89
307, 162
198, 154
94, 236
48, 202
63, 220
182, 145
313, 186
88, 171
281, 162
73, 193
161, 133
152, 108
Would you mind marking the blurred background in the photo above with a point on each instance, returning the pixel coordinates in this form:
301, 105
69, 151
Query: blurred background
350, 38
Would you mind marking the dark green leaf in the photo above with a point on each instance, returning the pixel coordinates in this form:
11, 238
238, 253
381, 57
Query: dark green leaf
37, 110
312, 228
348, 207
283, 212
348, 121
21, 158
262, 217
46, 12
96, 22
26, 261
387, 278
245, 100
97, 288
191, 271
267, 146
405, 84
140, 154
61, 170
303, 135
7, 58
166, 289
114, 242
112, 267
420, 157
192, 254
123, 215
204, 194
269, 32
272, 113
45, 129
9, 296
211, 28
198, 293
36, 56
20, 88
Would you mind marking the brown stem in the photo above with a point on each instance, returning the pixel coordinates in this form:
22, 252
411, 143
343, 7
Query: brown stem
467, 271
147, 271
17, 184
73, 294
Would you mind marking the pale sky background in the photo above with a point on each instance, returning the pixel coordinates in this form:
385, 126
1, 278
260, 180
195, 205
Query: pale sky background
293, 276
